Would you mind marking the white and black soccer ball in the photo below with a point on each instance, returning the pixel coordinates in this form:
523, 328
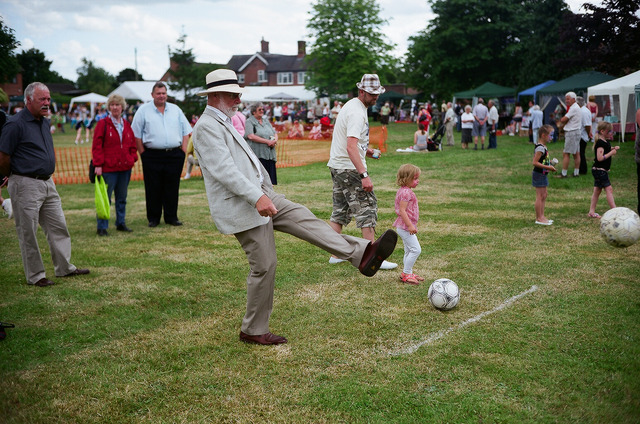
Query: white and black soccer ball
620, 227
444, 294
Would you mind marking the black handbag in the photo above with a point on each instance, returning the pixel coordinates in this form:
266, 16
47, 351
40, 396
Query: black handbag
92, 168
92, 172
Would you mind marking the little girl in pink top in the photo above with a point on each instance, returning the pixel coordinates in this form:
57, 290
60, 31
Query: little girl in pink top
406, 206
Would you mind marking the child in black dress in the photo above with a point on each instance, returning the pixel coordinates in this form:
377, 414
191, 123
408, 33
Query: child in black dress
601, 166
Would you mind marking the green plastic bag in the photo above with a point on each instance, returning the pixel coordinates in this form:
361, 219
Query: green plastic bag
103, 209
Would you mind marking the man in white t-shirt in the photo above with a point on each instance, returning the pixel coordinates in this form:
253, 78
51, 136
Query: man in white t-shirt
335, 110
585, 133
571, 123
492, 123
353, 195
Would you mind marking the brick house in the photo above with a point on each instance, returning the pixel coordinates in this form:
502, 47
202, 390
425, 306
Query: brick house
268, 69
12, 89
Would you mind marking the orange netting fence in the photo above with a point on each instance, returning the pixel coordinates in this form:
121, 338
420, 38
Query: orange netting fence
72, 163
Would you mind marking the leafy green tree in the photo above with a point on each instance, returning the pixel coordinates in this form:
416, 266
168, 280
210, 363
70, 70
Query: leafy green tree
188, 76
185, 75
604, 38
470, 42
9, 66
36, 67
348, 43
94, 78
538, 43
128, 74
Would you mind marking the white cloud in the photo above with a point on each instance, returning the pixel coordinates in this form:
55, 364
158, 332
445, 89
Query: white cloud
108, 33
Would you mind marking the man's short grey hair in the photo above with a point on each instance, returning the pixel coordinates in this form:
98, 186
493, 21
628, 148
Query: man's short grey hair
580, 101
571, 94
28, 92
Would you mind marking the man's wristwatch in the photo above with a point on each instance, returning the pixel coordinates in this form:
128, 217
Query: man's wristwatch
364, 175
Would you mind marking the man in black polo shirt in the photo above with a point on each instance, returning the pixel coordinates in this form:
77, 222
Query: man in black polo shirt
27, 155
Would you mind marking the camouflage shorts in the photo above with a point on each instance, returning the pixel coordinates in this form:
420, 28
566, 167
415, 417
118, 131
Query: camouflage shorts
351, 201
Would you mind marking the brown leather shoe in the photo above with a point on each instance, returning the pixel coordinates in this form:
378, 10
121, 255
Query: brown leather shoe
263, 339
377, 252
43, 282
77, 271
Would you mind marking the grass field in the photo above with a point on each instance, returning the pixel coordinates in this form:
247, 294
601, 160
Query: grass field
151, 335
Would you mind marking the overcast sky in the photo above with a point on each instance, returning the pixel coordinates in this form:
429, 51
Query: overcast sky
108, 33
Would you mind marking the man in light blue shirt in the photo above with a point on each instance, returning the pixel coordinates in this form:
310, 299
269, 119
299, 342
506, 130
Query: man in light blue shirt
537, 116
162, 133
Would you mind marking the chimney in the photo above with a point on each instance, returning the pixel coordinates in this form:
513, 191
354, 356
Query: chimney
302, 48
264, 46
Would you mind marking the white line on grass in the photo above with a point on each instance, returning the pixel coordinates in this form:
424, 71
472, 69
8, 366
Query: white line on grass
441, 334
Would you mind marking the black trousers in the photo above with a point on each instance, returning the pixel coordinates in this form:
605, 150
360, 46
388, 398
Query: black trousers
162, 170
583, 157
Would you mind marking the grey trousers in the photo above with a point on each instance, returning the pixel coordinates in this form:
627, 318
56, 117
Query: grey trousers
37, 202
259, 246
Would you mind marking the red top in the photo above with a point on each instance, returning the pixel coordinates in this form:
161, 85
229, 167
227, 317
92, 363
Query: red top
113, 155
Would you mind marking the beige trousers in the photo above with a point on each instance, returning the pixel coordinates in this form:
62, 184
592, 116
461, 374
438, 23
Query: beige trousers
259, 246
449, 132
37, 202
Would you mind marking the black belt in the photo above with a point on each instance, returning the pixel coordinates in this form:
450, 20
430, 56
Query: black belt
166, 150
36, 176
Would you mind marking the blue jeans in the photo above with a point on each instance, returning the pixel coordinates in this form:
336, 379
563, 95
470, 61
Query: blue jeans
117, 182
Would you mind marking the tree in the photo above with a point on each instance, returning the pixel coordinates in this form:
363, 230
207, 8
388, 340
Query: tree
94, 78
184, 70
128, 74
35, 67
9, 66
605, 38
187, 75
348, 43
470, 42
539, 42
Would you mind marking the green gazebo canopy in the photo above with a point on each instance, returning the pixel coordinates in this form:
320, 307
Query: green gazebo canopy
579, 83
488, 89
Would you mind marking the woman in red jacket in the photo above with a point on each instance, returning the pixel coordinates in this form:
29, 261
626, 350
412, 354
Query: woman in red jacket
114, 154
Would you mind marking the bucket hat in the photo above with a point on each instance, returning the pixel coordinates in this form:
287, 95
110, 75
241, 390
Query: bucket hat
371, 84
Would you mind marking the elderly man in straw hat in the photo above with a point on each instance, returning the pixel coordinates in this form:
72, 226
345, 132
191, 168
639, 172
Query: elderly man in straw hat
243, 203
353, 195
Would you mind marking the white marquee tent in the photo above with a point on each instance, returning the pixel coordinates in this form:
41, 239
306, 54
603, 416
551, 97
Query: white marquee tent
296, 93
621, 97
92, 98
141, 90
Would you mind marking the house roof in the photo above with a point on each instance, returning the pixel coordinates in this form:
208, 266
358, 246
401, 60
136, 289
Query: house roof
273, 62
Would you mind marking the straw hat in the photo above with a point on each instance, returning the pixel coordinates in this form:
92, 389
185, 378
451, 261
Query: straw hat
222, 80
